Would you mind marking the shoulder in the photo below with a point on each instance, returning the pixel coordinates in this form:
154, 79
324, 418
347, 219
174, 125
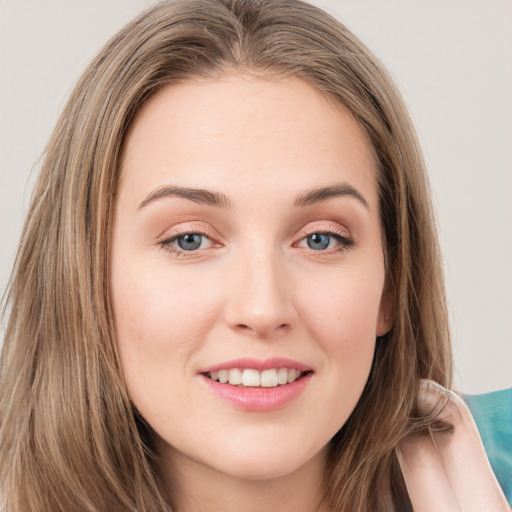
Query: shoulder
492, 413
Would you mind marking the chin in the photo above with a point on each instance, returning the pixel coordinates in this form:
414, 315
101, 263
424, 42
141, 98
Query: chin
260, 468
260, 460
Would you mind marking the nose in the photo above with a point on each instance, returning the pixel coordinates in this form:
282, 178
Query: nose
261, 299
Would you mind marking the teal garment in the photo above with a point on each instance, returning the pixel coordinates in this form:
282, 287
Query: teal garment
493, 417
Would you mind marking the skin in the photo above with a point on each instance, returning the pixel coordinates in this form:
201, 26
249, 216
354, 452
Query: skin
447, 469
254, 288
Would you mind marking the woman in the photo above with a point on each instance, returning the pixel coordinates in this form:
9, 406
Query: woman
228, 290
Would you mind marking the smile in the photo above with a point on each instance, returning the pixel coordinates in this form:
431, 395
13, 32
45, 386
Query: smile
255, 385
250, 377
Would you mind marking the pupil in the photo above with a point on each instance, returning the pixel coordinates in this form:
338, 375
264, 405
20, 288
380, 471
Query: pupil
318, 241
189, 242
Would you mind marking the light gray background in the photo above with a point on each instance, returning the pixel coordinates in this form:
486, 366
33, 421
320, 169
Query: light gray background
451, 59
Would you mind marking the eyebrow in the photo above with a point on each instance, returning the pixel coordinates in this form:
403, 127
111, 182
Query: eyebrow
210, 198
318, 195
197, 195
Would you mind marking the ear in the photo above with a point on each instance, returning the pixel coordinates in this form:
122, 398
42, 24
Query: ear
386, 313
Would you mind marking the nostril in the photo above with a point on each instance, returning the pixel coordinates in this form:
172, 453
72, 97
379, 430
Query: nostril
262, 330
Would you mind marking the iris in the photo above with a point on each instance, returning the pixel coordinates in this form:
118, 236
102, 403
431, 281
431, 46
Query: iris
190, 241
318, 241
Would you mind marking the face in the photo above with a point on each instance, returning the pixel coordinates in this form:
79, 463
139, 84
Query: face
246, 248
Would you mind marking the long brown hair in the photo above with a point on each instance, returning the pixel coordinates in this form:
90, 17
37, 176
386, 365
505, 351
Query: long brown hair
69, 437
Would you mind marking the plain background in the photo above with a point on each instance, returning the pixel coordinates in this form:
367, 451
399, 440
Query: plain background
452, 61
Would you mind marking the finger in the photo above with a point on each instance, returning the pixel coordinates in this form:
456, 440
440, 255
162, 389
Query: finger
461, 452
425, 477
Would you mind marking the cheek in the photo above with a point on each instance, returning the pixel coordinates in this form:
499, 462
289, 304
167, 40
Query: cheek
160, 320
153, 305
344, 309
342, 316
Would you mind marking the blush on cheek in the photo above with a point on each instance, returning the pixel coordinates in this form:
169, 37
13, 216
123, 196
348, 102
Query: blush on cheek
346, 315
156, 321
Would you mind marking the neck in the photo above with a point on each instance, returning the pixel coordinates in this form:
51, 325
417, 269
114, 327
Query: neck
194, 487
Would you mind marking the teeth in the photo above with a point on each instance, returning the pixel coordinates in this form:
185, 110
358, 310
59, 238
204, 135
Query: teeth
269, 379
249, 377
282, 376
292, 375
235, 376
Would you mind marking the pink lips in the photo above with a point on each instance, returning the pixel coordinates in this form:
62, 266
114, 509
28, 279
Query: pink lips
258, 398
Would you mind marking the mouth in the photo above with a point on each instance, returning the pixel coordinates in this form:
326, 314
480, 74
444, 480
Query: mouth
252, 378
253, 385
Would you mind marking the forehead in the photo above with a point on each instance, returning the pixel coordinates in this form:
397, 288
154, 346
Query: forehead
279, 133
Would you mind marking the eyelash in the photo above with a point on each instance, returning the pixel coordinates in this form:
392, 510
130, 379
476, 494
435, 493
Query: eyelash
167, 243
345, 243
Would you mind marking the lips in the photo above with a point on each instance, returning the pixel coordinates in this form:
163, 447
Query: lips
254, 385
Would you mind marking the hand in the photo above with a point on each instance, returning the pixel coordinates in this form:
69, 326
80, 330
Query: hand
447, 470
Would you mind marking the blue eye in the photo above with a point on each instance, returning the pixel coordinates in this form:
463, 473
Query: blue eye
318, 241
326, 241
190, 241
187, 243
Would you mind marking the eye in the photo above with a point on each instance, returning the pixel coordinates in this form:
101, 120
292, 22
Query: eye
190, 241
186, 243
318, 241
324, 241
